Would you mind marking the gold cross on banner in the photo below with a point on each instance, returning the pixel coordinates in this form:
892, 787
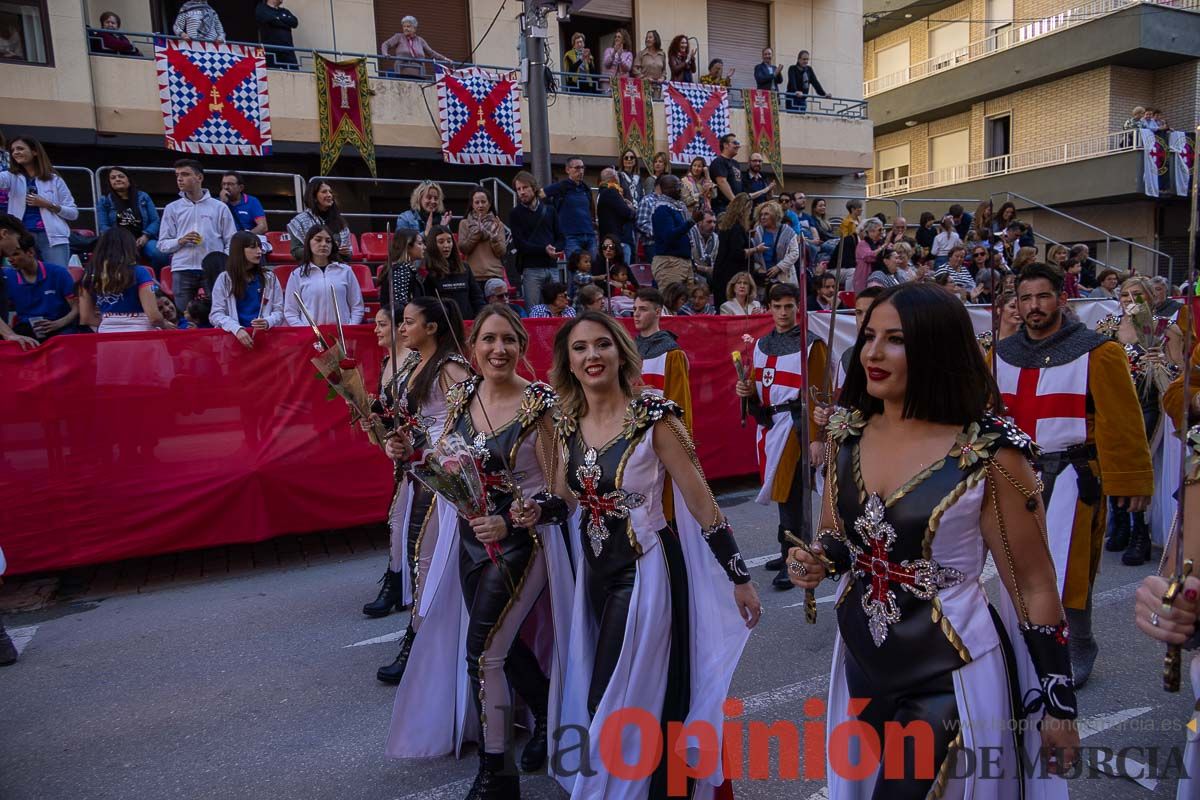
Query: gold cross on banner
216, 104
480, 119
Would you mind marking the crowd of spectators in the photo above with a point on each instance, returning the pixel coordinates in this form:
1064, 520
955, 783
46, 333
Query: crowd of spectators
1148, 118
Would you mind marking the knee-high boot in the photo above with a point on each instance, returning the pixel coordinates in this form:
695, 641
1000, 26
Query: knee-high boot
1082, 646
526, 678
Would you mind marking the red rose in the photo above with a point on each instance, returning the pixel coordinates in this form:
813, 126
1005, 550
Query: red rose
335, 378
348, 363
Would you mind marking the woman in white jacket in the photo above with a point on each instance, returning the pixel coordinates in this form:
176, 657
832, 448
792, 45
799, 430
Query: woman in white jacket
40, 198
313, 280
246, 298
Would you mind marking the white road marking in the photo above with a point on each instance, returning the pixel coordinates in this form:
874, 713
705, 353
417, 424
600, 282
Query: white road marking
455, 790
1135, 770
22, 636
816, 686
758, 561
1117, 594
387, 637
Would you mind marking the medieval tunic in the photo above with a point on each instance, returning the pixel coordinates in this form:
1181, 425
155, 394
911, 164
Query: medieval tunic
917, 635
1072, 393
665, 370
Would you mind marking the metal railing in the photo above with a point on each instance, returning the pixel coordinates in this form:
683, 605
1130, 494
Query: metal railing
91, 181
1011, 36
1094, 147
295, 180
424, 70
498, 188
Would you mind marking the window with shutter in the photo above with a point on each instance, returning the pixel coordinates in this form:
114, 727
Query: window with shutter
738, 30
611, 9
448, 30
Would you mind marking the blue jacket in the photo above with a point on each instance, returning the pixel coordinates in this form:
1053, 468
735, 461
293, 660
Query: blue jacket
574, 204
106, 214
671, 232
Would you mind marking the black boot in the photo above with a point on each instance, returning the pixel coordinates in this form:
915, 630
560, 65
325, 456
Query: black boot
493, 781
781, 581
1082, 646
394, 671
391, 594
1138, 552
1119, 539
8, 650
527, 680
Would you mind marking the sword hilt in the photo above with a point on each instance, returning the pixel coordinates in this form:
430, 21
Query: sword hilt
810, 595
1172, 663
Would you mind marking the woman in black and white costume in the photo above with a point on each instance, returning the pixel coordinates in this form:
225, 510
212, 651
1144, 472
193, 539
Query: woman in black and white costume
917, 636
492, 609
656, 624
432, 331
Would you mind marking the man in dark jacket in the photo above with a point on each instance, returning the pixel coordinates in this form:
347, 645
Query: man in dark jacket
275, 25
767, 75
536, 237
614, 214
576, 207
673, 249
800, 78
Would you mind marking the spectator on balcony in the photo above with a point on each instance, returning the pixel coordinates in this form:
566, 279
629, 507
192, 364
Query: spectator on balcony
115, 293
246, 298
125, 206
871, 243
767, 74
742, 294
802, 79
1151, 121
198, 21
482, 238
445, 276
536, 237
716, 74
555, 303
755, 182
651, 61
39, 198
1137, 119
41, 294
777, 245
248, 213
1108, 278
946, 239
193, 226
705, 242
12, 46
427, 208
726, 174
981, 224
411, 51
106, 41
1006, 216
615, 215
629, 174
681, 60
321, 209
672, 225
275, 26
578, 60
962, 220
659, 165
320, 281
1083, 253
618, 59
734, 252
576, 207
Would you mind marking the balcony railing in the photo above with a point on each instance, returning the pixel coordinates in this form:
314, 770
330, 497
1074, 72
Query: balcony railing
1118, 142
1009, 37
423, 70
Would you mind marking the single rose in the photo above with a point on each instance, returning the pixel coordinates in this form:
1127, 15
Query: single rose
348, 363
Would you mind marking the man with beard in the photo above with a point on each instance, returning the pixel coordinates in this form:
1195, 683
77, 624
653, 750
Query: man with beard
781, 373
1069, 388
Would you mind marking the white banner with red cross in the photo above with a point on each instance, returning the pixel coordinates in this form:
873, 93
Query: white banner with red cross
479, 113
697, 118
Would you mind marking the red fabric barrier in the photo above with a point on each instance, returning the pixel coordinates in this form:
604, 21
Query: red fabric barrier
136, 444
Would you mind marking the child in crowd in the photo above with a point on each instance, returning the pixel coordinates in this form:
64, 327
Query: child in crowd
196, 314
579, 271
1071, 278
622, 289
675, 297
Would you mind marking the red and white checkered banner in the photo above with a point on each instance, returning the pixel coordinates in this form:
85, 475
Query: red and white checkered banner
697, 118
479, 112
214, 97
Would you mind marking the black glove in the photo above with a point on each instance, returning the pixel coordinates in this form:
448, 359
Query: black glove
1048, 649
725, 548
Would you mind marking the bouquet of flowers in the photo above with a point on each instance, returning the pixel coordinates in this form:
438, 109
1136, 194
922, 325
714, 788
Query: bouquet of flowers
1152, 333
452, 470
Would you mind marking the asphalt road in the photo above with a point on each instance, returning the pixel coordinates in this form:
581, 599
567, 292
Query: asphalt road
262, 686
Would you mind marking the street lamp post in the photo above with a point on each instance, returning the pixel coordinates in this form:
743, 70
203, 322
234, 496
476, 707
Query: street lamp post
536, 31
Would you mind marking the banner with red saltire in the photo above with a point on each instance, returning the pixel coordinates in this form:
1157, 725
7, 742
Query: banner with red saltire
697, 118
762, 123
214, 97
480, 116
635, 116
344, 110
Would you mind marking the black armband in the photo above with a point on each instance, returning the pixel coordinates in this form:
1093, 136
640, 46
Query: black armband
837, 555
720, 540
553, 508
1055, 693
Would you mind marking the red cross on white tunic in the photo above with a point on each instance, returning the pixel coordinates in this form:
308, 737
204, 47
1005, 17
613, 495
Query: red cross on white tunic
1028, 407
769, 375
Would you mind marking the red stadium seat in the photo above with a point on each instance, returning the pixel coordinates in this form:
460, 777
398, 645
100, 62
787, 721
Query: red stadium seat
365, 281
281, 244
282, 273
165, 283
642, 274
355, 251
76, 273
375, 245
846, 299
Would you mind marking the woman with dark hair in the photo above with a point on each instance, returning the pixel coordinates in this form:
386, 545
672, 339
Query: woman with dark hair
629, 174
681, 60
648, 594
107, 41
446, 276
917, 636
396, 278
126, 206
115, 293
887, 264
246, 297
698, 188
660, 165
1005, 216
483, 238
651, 61
320, 281
414, 405
926, 233
39, 197
734, 252
320, 208
499, 568
611, 256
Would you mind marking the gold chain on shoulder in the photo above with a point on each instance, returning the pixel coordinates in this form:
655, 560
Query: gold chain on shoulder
1030, 496
676, 427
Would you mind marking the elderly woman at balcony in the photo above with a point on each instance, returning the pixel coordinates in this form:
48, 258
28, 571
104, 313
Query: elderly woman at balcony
107, 42
198, 21
410, 50
579, 61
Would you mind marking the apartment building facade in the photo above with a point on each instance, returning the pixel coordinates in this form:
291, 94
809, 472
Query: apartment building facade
1026, 100
94, 109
